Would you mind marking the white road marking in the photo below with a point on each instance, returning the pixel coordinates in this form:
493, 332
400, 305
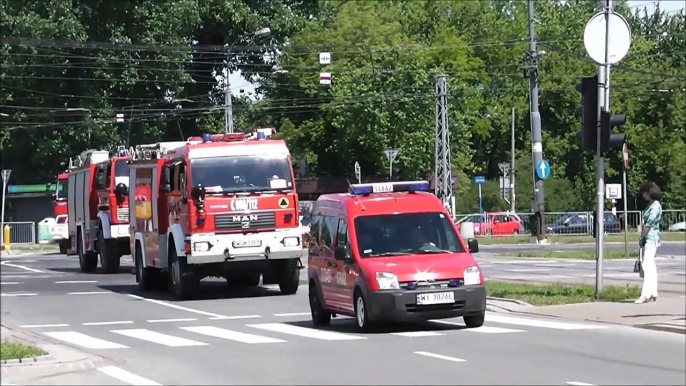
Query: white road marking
305, 332
482, 329
83, 340
417, 334
579, 384
540, 323
43, 325
75, 281
293, 314
22, 267
165, 304
171, 320
665, 325
235, 317
485, 266
528, 270
524, 262
231, 335
107, 323
438, 356
156, 337
127, 377
18, 294
9, 282
530, 277
90, 293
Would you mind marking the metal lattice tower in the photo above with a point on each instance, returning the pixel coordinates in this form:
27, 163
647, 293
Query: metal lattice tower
443, 186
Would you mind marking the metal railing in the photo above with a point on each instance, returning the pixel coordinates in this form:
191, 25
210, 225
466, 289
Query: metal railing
568, 223
22, 232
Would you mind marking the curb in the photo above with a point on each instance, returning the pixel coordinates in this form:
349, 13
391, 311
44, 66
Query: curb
515, 301
24, 361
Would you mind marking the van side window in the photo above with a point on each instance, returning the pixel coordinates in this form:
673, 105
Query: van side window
342, 235
314, 229
328, 231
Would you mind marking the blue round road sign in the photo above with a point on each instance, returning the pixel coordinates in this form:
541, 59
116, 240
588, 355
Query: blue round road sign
542, 169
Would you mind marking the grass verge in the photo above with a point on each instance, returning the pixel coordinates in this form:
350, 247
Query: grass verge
553, 294
10, 350
613, 238
580, 255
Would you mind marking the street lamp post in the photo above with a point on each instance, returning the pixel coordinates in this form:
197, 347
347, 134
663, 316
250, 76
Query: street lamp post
5, 177
228, 97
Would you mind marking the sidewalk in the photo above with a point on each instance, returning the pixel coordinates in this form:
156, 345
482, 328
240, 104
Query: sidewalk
61, 359
667, 289
667, 314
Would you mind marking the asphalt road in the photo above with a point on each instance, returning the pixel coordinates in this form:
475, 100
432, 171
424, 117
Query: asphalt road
256, 336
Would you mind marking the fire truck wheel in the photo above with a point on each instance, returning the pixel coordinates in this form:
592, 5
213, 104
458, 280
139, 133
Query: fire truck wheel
290, 278
252, 280
109, 259
182, 281
88, 261
146, 277
64, 247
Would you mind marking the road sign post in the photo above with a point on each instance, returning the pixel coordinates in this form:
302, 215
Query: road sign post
391, 154
358, 172
480, 180
505, 181
5, 178
625, 166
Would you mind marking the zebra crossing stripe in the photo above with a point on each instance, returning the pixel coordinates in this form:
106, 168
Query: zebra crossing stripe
156, 337
231, 335
305, 332
83, 340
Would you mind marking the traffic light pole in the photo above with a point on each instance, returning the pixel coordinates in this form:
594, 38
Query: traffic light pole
604, 99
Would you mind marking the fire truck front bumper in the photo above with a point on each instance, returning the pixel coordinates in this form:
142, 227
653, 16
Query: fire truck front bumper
280, 245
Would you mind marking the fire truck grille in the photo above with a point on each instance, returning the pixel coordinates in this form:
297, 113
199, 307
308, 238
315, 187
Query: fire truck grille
122, 214
236, 222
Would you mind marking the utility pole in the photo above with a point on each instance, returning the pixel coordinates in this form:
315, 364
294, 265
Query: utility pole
228, 98
512, 165
443, 184
603, 105
536, 137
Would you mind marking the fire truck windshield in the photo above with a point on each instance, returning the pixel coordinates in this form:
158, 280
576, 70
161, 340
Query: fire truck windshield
61, 192
121, 169
242, 173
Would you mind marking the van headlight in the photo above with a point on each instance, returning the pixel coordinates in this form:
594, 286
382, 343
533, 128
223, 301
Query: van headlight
387, 281
472, 275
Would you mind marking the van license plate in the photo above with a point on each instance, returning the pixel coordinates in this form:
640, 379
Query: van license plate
436, 298
246, 243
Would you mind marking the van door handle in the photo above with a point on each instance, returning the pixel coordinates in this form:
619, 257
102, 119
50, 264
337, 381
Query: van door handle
332, 264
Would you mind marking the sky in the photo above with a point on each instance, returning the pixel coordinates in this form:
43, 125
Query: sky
239, 83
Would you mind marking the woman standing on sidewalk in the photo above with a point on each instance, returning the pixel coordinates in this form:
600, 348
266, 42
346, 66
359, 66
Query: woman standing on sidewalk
649, 241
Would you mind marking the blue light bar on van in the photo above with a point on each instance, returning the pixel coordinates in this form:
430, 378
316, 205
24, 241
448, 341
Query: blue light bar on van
389, 187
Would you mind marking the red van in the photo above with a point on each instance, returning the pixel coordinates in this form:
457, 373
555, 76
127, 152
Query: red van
390, 252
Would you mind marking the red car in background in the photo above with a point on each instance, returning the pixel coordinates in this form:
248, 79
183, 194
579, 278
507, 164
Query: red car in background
495, 224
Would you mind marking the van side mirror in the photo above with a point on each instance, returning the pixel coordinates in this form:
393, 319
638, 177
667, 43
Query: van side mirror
473, 245
341, 253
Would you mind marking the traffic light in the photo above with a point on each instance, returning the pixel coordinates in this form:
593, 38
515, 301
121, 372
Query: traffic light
588, 111
609, 140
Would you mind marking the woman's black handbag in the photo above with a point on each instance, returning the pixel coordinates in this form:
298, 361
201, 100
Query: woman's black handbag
638, 268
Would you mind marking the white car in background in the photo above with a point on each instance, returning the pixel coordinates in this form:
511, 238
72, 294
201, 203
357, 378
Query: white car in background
678, 227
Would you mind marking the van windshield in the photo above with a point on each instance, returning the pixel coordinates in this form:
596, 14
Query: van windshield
405, 234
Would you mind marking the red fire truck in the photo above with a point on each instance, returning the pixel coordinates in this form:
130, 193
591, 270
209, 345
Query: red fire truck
216, 206
98, 213
60, 201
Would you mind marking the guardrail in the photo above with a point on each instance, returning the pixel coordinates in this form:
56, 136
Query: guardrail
22, 232
564, 223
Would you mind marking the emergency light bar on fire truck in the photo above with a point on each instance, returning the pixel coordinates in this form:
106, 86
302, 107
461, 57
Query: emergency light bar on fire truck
389, 187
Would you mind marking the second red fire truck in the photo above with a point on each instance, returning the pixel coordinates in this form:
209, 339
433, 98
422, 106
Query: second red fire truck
98, 213
216, 206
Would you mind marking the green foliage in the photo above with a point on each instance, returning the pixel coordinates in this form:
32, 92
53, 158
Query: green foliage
156, 61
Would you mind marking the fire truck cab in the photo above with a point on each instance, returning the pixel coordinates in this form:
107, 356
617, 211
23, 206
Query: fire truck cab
60, 212
98, 208
216, 206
